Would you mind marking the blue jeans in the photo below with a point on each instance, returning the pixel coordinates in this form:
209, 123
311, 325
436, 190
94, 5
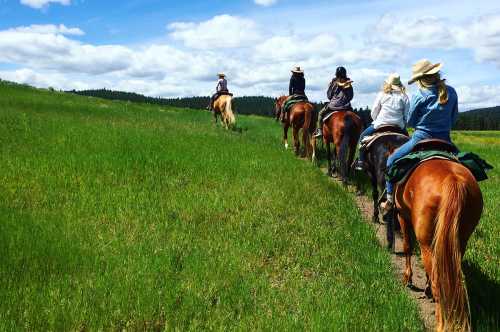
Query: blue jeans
406, 148
370, 130
367, 132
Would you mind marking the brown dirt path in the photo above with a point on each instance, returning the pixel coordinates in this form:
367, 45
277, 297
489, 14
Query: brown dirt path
426, 306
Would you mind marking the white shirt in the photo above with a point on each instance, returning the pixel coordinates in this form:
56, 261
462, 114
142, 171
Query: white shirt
390, 109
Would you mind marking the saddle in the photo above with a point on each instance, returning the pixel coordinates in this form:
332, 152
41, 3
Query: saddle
329, 115
391, 129
435, 144
292, 100
222, 93
380, 132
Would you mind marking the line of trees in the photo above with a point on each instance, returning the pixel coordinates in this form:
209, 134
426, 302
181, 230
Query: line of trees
481, 119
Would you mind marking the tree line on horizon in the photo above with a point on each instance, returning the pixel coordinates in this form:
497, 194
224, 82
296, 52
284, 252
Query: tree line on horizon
480, 119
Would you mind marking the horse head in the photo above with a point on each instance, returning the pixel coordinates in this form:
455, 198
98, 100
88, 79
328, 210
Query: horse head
278, 105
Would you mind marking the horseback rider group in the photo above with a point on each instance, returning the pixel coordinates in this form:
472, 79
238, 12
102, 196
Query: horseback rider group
431, 111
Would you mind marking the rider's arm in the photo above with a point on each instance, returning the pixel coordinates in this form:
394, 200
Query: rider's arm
413, 113
331, 88
454, 112
349, 93
406, 110
290, 88
377, 106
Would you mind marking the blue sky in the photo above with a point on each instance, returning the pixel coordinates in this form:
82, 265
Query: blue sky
175, 48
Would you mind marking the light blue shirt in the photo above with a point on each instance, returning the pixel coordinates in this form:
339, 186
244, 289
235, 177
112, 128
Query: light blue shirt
428, 115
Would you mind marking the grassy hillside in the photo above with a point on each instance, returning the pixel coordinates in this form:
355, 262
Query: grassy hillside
116, 215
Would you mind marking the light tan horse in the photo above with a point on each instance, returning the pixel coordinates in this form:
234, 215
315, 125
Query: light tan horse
223, 106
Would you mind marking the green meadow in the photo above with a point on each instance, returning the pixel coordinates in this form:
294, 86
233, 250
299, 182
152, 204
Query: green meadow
121, 216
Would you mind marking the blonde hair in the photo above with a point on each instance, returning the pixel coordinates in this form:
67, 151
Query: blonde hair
429, 81
387, 88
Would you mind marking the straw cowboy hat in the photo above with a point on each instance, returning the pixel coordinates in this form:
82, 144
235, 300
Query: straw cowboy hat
297, 70
423, 68
221, 75
394, 80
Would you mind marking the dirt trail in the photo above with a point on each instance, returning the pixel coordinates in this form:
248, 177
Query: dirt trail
426, 306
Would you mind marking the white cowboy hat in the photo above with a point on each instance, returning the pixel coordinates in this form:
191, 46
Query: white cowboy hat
423, 68
297, 70
394, 80
221, 75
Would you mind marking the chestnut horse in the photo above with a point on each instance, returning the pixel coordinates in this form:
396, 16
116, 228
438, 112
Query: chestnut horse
343, 129
442, 202
301, 116
223, 107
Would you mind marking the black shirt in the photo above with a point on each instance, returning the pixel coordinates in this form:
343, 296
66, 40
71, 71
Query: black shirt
297, 85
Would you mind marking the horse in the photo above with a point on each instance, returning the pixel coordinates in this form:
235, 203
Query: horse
301, 116
376, 156
442, 203
223, 107
343, 129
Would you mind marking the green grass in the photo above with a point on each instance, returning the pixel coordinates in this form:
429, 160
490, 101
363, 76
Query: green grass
125, 216
482, 260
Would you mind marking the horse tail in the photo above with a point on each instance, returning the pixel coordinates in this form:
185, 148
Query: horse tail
349, 128
447, 258
231, 120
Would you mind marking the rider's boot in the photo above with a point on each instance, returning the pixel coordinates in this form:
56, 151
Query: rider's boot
388, 205
360, 164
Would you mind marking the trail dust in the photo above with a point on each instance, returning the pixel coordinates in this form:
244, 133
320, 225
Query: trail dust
426, 306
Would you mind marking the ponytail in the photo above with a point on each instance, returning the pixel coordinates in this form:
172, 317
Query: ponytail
435, 80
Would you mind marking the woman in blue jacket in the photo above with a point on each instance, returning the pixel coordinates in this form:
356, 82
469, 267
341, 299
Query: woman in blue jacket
433, 111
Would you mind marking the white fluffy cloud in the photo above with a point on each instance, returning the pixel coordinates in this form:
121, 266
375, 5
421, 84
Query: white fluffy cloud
477, 96
223, 31
46, 49
49, 29
424, 32
42, 3
481, 34
265, 3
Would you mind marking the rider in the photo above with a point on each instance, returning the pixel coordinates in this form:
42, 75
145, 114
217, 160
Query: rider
297, 82
433, 111
340, 94
297, 86
390, 108
220, 89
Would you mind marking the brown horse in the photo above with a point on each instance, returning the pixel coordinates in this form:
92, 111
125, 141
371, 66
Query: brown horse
442, 202
301, 116
343, 130
223, 107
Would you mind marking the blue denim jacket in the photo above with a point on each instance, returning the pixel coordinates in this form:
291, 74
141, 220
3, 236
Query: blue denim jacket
428, 115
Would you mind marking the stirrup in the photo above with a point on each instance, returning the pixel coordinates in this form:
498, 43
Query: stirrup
359, 165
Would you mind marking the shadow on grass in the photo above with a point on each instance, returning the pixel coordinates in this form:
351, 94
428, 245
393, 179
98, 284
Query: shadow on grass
484, 296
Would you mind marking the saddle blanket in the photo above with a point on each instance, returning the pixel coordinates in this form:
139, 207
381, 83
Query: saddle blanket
292, 100
404, 166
